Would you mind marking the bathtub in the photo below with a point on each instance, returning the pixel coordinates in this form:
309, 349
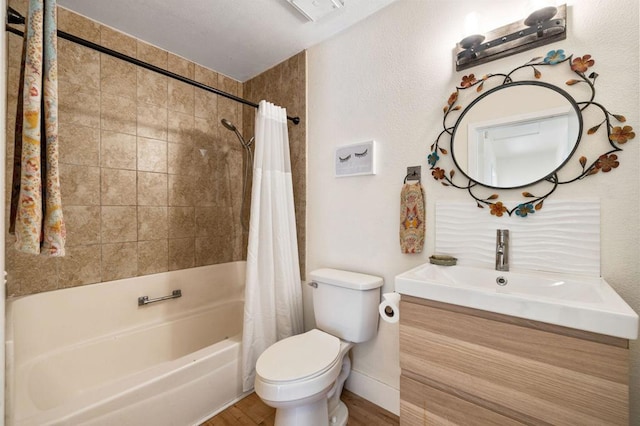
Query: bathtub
90, 355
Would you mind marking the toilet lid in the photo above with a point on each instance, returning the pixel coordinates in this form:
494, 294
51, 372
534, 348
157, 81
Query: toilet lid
298, 357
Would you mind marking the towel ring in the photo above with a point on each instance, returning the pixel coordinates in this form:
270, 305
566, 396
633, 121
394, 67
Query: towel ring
412, 175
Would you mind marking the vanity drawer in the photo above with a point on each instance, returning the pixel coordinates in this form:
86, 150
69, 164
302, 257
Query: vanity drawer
424, 405
515, 365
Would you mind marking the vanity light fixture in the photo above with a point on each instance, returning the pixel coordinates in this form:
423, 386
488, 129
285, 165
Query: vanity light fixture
543, 26
314, 10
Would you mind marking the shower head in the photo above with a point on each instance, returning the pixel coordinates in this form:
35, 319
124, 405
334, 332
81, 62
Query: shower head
226, 123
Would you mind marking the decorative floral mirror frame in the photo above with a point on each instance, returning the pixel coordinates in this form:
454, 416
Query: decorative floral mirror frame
607, 161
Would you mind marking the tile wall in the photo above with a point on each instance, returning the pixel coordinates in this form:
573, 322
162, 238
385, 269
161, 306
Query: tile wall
150, 180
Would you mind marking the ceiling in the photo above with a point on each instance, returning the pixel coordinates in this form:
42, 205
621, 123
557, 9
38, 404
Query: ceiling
238, 38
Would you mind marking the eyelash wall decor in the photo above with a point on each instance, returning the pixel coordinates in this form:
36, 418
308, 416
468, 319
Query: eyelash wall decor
355, 159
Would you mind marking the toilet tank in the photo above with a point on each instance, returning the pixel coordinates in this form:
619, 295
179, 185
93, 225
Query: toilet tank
346, 303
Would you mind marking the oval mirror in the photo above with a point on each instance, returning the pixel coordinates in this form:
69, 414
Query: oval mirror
516, 134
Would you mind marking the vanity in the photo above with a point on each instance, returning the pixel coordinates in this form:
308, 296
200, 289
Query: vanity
475, 352
480, 346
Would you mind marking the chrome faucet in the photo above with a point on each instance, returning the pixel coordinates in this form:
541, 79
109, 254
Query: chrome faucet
502, 250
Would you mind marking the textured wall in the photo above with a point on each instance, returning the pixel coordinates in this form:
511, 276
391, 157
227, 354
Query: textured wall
150, 179
285, 85
387, 79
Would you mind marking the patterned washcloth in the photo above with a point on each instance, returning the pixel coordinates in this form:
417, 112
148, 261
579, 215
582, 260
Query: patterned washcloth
412, 218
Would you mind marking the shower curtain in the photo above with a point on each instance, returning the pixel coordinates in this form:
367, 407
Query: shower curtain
36, 206
273, 297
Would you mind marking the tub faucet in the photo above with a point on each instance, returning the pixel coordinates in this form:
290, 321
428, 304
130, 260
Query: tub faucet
502, 250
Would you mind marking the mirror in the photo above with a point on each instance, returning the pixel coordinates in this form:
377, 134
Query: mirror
525, 133
516, 134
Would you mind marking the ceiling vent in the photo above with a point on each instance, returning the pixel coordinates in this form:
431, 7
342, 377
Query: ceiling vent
314, 10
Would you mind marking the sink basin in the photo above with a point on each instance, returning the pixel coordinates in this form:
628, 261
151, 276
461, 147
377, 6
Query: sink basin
583, 303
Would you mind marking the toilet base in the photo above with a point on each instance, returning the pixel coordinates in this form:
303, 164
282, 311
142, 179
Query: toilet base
339, 416
310, 413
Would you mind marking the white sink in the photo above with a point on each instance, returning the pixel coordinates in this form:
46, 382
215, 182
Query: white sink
588, 304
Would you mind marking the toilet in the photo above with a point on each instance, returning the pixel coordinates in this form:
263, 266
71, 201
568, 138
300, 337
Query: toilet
302, 376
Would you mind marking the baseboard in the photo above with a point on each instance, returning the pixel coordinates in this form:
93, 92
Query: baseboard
374, 391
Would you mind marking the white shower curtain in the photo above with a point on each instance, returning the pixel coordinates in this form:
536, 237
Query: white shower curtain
273, 296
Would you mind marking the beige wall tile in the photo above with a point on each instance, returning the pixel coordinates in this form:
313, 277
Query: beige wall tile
79, 145
181, 191
206, 104
206, 132
117, 77
209, 221
180, 127
153, 257
152, 55
83, 225
13, 81
229, 85
117, 150
181, 222
79, 65
205, 192
152, 189
152, 122
119, 261
181, 66
152, 88
80, 266
78, 25
79, 185
181, 97
118, 224
28, 274
77, 106
118, 41
118, 117
14, 52
205, 76
209, 252
153, 223
118, 187
182, 159
118, 114
152, 155
181, 253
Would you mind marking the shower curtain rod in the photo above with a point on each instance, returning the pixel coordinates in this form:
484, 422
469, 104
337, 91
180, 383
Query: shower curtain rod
16, 18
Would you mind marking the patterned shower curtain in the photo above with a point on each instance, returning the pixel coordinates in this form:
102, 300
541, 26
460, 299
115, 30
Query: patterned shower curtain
36, 207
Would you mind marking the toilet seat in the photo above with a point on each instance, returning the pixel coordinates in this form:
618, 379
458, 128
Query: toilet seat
299, 357
299, 367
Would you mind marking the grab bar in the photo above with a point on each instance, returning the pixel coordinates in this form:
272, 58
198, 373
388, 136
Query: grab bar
144, 300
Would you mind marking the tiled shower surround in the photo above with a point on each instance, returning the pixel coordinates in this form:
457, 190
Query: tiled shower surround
150, 179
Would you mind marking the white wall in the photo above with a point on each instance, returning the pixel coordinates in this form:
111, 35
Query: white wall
387, 79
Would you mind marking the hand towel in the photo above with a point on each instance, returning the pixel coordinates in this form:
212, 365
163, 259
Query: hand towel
412, 218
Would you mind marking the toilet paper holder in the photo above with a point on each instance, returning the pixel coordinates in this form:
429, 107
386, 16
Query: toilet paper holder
389, 308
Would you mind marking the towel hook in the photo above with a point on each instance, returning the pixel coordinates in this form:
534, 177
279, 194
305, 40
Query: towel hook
413, 173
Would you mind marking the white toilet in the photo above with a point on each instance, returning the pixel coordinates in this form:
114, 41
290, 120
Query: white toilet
302, 376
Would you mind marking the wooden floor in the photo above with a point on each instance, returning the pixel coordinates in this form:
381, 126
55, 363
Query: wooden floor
252, 411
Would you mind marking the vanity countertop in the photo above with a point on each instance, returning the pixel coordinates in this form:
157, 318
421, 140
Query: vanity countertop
582, 303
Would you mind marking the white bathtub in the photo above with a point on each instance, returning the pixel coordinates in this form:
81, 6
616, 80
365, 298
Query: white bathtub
91, 356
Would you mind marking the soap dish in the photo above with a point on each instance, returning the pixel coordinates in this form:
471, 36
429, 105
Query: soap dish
443, 260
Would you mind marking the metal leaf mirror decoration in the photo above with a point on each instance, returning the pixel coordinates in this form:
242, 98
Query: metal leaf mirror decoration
516, 133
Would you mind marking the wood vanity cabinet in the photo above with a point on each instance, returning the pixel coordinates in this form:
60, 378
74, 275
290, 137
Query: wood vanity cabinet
471, 367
